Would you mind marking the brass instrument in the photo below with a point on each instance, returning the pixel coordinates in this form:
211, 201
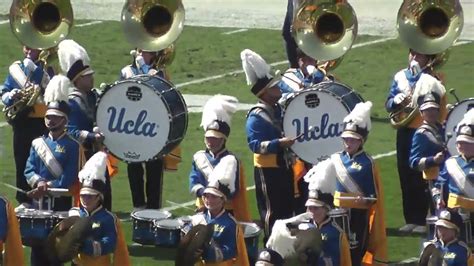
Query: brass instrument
38, 24
428, 27
152, 25
165, 57
325, 29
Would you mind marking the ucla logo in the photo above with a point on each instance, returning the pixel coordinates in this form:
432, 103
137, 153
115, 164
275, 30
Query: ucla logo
324, 130
60, 149
137, 127
356, 166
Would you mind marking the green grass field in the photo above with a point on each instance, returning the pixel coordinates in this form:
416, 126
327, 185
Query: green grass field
203, 52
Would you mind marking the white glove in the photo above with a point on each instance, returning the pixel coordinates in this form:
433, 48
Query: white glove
28, 63
139, 61
399, 98
311, 69
415, 67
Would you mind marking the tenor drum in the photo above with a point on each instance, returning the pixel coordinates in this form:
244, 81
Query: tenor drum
316, 115
142, 118
341, 218
35, 226
455, 116
168, 232
144, 225
251, 234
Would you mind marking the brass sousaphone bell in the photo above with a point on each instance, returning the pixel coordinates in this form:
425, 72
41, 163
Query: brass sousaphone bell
428, 27
325, 29
152, 25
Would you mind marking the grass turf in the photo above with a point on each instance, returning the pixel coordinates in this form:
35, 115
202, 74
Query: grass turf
203, 52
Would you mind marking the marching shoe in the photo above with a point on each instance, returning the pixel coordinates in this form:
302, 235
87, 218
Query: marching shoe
420, 229
23, 206
407, 228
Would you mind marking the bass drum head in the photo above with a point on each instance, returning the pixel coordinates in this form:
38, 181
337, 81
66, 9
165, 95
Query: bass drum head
316, 115
454, 117
134, 120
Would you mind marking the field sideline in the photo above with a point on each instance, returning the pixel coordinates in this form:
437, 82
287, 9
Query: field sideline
206, 52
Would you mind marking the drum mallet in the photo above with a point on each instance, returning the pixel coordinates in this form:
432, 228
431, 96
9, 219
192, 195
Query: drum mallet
453, 92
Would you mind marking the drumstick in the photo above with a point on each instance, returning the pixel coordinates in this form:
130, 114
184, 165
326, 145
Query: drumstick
356, 198
180, 205
310, 128
15, 188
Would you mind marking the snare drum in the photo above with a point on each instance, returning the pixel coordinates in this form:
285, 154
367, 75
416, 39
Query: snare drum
455, 116
35, 226
60, 216
341, 218
142, 118
322, 107
251, 234
168, 232
143, 225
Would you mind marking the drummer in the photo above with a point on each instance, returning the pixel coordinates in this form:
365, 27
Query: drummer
227, 245
453, 250
459, 169
11, 250
53, 163
216, 121
358, 188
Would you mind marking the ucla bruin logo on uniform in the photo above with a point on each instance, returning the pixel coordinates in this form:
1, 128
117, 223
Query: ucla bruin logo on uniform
138, 127
324, 130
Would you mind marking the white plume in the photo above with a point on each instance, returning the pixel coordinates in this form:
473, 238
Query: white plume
322, 177
468, 119
281, 239
427, 84
254, 66
225, 173
69, 52
360, 115
219, 107
94, 169
58, 89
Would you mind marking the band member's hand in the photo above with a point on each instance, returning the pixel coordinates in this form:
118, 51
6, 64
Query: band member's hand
15, 94
98, 138
440, 204
139, 61
42, 186
28, 63
399, 98
286, 142
438, 158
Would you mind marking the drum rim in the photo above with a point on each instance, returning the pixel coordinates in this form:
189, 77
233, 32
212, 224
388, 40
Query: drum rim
253, 225
134, 216
446, 132
166, 227
338, 211
176, 142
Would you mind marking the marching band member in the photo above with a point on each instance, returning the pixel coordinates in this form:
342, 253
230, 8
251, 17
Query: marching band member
105, 244
144, 63
453, 251
322, 184
227, 246
290, 43
53, 163
458, 172
78, 75
406, 84
29, 123
272, 170
216, 121
359, 189
11, 250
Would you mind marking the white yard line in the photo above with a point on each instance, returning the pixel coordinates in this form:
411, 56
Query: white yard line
89, 23
189, 203
3, 22
234, 31
3, 124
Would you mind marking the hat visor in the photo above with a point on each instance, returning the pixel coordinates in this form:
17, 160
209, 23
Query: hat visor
214, 134
315, 203
429, 105
87, 71
89, 191
446, 223
465, 138
55, 112
351, 134
213, 191
274, 81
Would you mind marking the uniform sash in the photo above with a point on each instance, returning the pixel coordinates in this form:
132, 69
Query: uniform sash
47, 156
459, 177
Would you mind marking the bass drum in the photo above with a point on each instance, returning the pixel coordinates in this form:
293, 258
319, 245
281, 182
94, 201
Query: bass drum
455, 116
142, 118
315, 116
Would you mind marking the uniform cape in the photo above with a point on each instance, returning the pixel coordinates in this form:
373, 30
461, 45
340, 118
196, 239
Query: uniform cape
120, 255
377, 247
242, 256
13, 247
